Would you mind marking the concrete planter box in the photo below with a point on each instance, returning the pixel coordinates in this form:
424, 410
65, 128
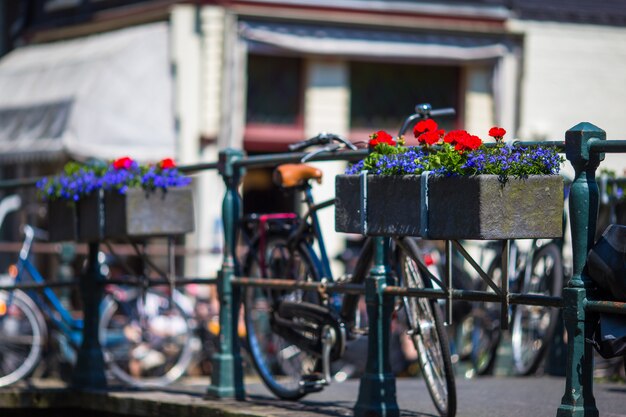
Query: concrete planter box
477, 207
392, 207
62, 221
136, 214
480, 207
148, 214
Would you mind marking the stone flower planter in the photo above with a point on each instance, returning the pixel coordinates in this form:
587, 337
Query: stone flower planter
110, 215
477, 207
392, 206
148, 214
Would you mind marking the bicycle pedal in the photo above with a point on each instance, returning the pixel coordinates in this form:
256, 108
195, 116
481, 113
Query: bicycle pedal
312, 383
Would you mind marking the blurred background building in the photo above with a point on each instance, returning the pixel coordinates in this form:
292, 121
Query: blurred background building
160, 78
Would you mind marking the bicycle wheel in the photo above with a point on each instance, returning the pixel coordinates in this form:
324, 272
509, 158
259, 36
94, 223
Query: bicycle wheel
24, 333
282, 365
485, 330
147, 341
427, 331
533, 327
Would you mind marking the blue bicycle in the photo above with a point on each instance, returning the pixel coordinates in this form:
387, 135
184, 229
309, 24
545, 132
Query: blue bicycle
147, 336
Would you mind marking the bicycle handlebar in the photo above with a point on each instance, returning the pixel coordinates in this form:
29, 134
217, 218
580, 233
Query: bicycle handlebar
31, 233
332, 147
424, 111
323, 138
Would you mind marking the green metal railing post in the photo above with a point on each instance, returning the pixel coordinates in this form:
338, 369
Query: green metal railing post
89, 372
578, 399
227, 374
377, 390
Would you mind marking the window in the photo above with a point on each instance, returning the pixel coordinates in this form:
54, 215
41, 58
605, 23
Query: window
383, 94
274, 90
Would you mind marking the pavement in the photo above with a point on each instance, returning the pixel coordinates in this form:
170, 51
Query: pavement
477, 397
499, 395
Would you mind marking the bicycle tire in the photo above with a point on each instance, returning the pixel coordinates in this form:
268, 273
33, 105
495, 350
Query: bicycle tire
24, 333
486, 334
533, 327
425, 322
152, 349
280, 364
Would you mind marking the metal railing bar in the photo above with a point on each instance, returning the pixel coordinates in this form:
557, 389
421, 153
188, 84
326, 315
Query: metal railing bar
474, 295
178, 282
609, 146
286, 284
559, 144
435, 293
606, 306
194, 168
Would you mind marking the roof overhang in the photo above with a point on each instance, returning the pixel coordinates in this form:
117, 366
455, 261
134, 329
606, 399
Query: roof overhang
371, 43
100, 96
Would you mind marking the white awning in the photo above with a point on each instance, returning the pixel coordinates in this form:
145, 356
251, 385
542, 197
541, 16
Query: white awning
102, 96
354, 42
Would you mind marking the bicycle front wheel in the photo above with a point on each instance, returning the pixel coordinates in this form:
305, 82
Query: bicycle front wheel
24, 333
281, 364
148, 341
534, 326
427, 331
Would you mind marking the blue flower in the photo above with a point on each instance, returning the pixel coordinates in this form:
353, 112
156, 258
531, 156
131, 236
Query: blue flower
78, 180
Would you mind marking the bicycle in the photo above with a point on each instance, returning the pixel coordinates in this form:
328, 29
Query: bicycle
146, 336
293, 335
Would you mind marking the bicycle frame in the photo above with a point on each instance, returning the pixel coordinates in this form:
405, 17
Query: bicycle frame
48, 303
296, 233
317, 231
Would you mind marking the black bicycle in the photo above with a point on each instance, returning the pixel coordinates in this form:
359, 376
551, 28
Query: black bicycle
294, 334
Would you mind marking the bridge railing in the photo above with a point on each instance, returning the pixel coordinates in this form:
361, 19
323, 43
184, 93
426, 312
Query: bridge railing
584, 146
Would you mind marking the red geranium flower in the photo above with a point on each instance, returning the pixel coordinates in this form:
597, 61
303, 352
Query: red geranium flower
462, 140
497, 133
167, 163
381, 137
455, 136
122, 163
469, 143
431, 137
423, 126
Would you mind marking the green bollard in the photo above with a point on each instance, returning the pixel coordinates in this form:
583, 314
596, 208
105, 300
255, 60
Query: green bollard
227, 375
377, 390
89, 372
578, 399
